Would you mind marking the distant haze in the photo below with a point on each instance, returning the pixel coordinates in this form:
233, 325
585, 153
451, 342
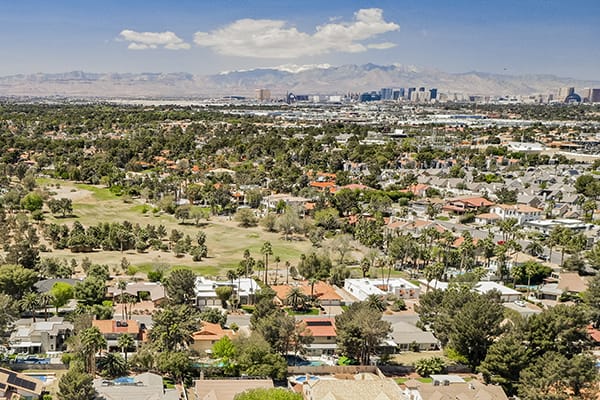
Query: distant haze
313, 79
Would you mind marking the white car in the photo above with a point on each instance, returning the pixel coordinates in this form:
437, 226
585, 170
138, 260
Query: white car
520, 303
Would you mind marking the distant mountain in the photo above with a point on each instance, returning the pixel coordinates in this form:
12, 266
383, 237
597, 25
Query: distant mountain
312, 79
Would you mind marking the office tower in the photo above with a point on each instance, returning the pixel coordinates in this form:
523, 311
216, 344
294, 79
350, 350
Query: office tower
585, 94
565, 92
410, 92
386, 93
263, 94
595, 96
433, 94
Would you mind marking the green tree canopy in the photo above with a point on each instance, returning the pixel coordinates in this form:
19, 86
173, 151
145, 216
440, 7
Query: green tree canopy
76, 384
180, 286
360, 329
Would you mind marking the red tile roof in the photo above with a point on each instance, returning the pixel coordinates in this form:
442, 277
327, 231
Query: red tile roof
320, 327
110, 326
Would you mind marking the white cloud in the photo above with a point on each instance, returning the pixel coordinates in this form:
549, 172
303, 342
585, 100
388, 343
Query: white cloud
153, 40
381, 46
266, 38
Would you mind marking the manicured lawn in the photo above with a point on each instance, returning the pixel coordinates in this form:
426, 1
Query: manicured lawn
420, 379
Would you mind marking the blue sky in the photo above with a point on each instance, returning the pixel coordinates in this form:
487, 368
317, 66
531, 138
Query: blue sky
513, 36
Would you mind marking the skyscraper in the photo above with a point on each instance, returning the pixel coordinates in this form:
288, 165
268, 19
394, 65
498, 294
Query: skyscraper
565, 92
263, 94
386, 93
433, 94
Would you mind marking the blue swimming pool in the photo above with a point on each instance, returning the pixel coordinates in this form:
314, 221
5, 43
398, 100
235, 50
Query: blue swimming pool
43, 378
124, 379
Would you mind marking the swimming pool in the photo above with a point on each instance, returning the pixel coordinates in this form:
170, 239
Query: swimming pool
124, 380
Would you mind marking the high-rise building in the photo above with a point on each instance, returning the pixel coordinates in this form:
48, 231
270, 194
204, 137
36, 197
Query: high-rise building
263, 94
585, 94
410, 92
595, 96
386, 93
433, 94
565, 92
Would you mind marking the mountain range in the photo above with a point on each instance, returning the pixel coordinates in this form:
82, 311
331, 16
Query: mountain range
311, 79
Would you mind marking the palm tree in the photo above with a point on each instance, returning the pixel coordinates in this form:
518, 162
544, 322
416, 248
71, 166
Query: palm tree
124, 341
277, 260
122, 286
112, 365
233, 275
375, 302
287, 272
91, 341
30, 302
45, 300
266, 250
535, 248
296, 298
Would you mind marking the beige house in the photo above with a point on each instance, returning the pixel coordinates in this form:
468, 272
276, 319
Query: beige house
208, 335
226, 389
362, 387
451, 387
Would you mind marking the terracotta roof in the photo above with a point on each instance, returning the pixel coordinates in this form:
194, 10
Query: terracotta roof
321, 290
460, 240
322, 185
594, 333
108, 326
321, 327
210, 332
473, 201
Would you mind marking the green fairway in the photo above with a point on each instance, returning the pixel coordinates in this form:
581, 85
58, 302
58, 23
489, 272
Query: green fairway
226, 241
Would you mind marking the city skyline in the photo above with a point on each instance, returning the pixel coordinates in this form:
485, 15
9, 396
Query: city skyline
509, 37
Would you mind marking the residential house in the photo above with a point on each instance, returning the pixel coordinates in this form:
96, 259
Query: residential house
506, 294
41, 336
146, 386
467, 204
45, 285
323, 333
153, 291
111, 330
405, 336
14, 385
206, 296
273, 200
487, 219
447, 387
226, 389
564, 282
547, 225
208, 335
522, 213
363, 288
321, 291
359, 387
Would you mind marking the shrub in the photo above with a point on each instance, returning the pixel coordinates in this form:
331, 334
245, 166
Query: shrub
429, 366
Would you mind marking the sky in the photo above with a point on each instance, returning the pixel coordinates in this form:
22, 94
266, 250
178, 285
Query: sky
514, 37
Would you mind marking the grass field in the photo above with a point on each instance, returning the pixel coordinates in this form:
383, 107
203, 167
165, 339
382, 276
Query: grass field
226, 241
